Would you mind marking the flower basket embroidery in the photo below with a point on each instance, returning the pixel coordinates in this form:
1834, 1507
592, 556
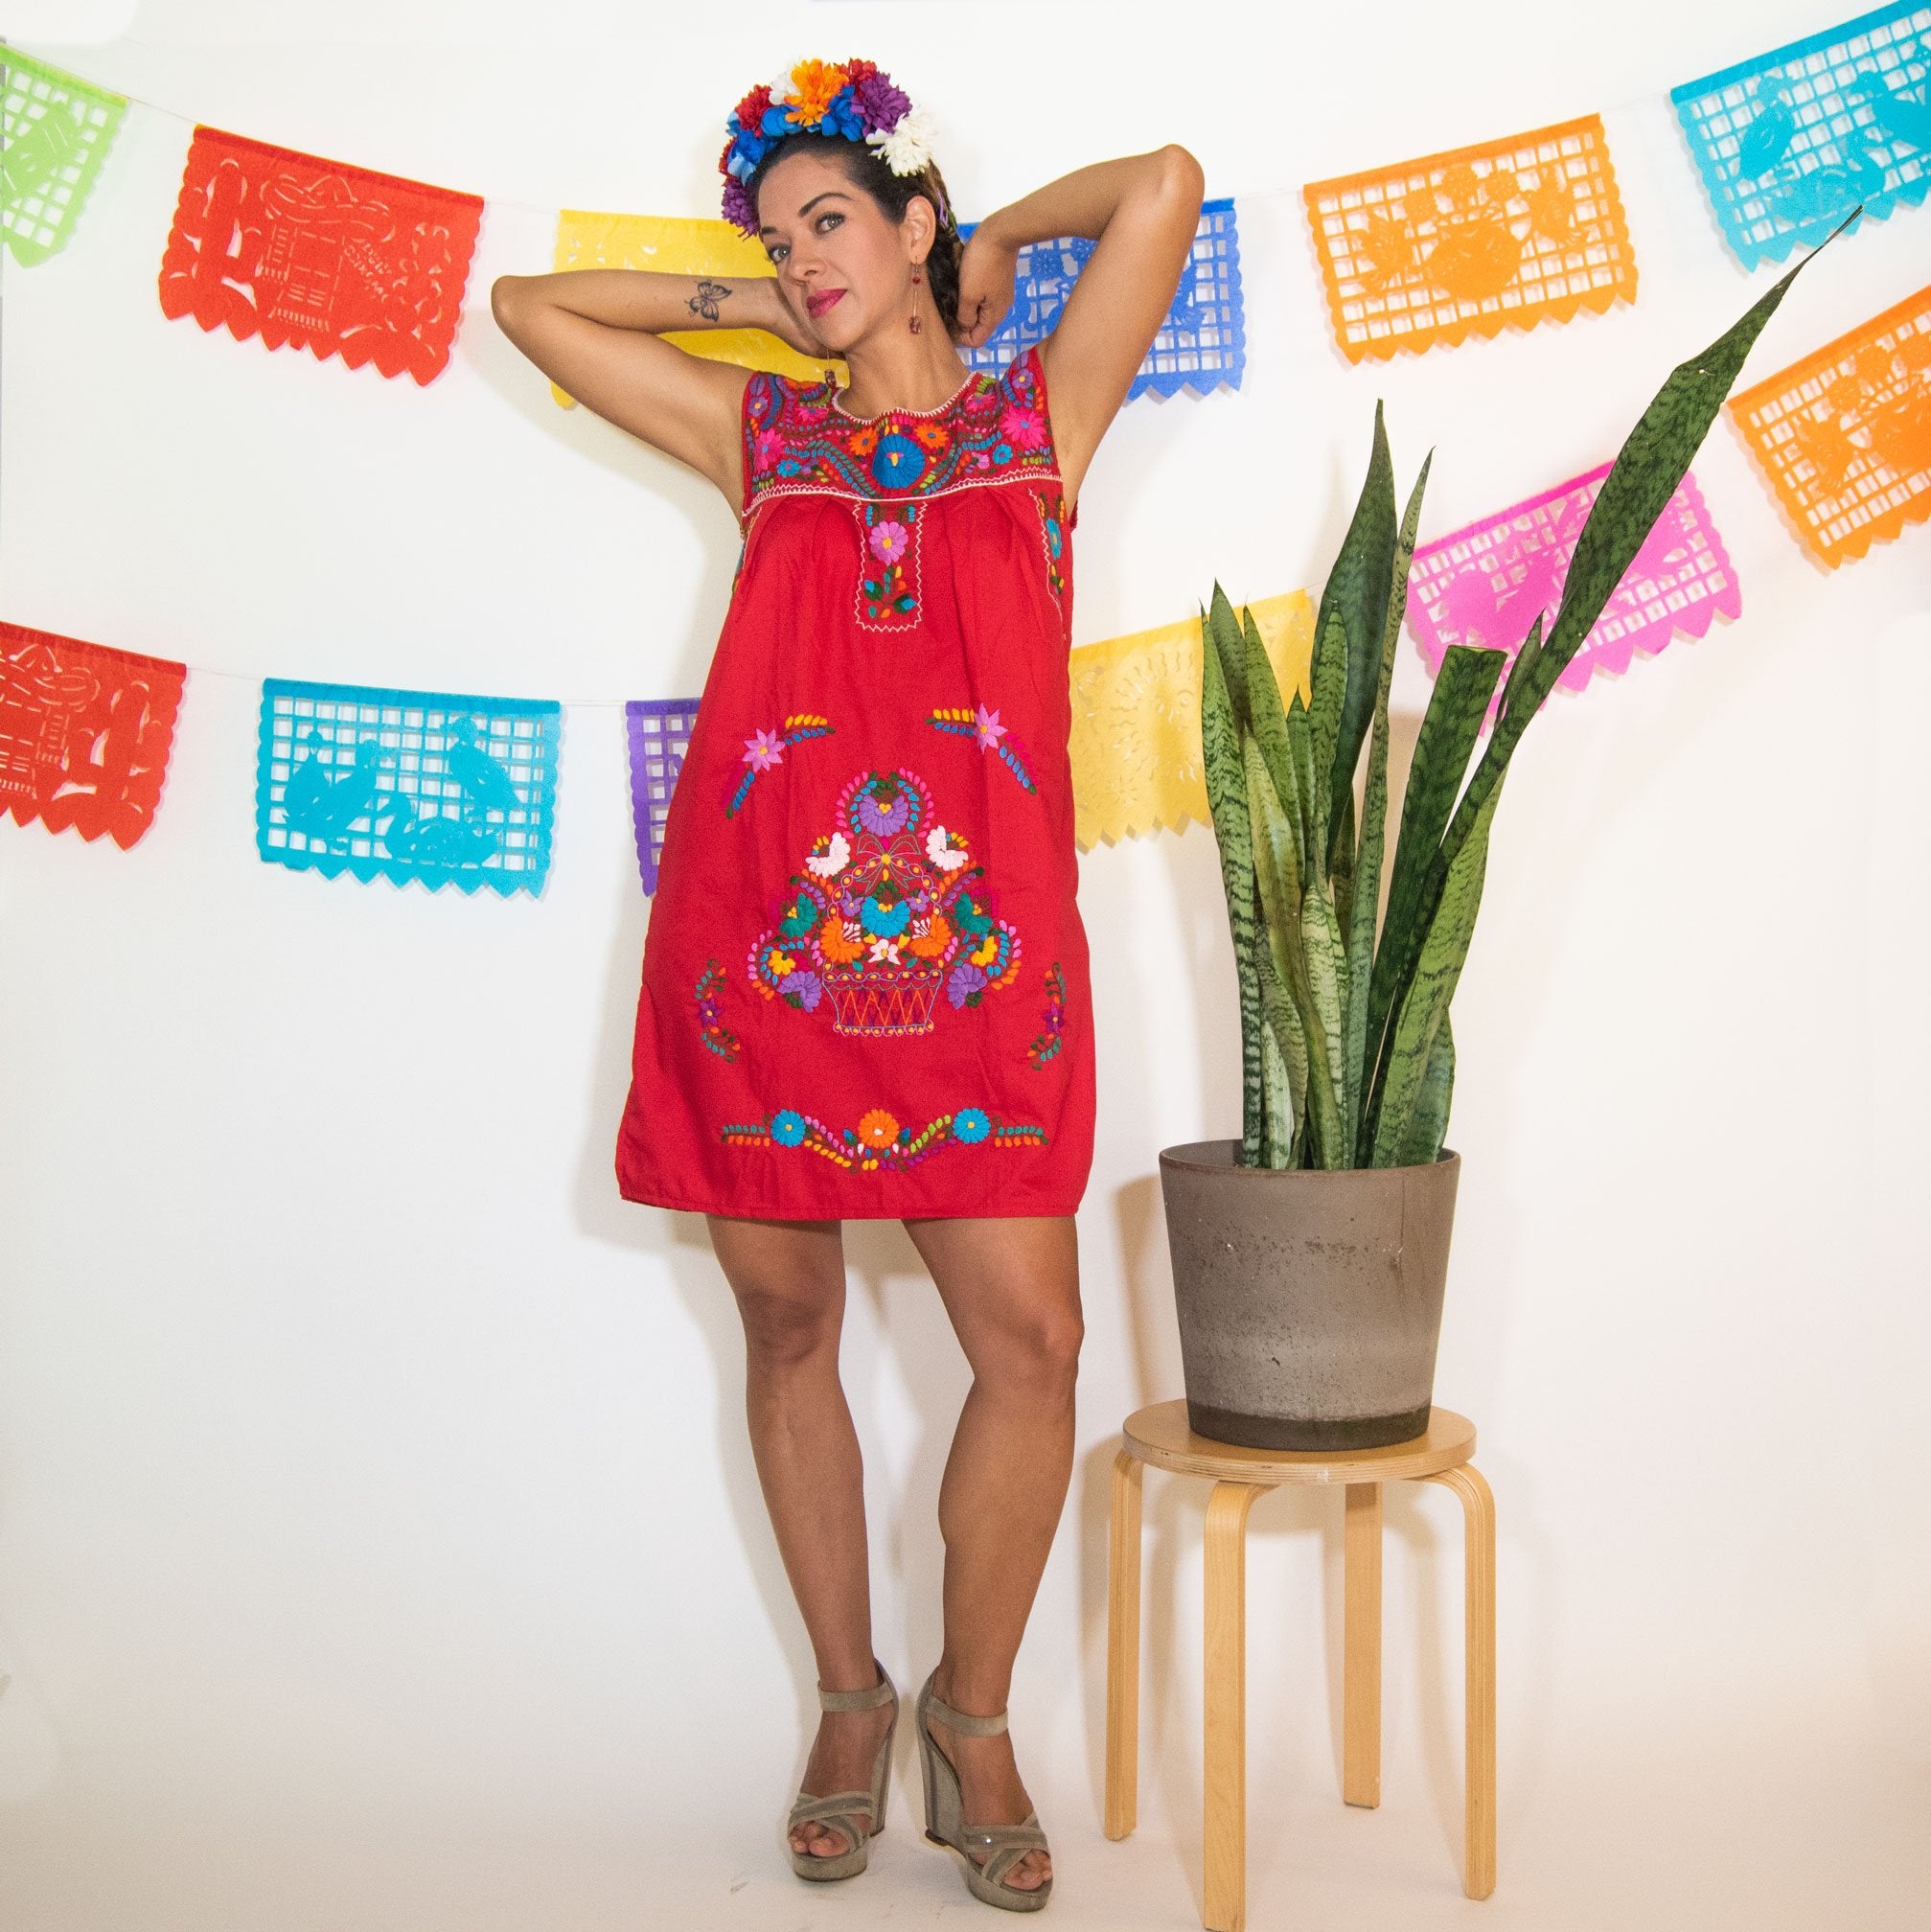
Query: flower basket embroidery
890, 910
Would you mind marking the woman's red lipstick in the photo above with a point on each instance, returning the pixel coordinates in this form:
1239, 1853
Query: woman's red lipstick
817, 304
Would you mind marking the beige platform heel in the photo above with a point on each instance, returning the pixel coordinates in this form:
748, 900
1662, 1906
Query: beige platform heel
841, 1810
1003, 1845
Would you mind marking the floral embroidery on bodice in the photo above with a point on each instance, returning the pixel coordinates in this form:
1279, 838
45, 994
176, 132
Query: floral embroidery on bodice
798, 442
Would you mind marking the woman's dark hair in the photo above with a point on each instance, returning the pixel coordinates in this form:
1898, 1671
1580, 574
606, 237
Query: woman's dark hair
893, 192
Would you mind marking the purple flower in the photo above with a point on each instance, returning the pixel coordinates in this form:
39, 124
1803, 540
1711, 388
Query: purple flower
880, 820
738, 207
801, 988
888, 542
880, 103
966, 979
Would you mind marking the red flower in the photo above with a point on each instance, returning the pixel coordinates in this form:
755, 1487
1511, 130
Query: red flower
751, 108
860, 70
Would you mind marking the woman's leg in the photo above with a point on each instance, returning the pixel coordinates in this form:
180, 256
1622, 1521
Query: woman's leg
1011, 1286
789, 1278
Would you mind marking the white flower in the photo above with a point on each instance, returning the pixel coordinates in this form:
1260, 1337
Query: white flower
885, 952
940, 851
782, 86
825, 864
907, 147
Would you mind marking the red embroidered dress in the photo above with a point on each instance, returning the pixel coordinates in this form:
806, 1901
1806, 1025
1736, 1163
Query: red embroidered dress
864, 978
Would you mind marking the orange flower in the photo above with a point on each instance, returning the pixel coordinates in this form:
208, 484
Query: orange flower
833, 943
878, 1128
813, 83
933, 940
931, 435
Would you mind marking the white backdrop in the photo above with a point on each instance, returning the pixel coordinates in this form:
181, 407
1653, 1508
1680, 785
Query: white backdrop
378, 1543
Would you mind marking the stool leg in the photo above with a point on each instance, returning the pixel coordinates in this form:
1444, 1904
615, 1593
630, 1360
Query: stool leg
1477, 1516
1361, 1652
1122, 1648
1225, 1756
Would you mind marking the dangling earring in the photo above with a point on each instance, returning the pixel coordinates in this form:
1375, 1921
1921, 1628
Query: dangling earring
918, 276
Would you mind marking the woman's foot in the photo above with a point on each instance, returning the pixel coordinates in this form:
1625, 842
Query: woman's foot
842, 1760
990, 1791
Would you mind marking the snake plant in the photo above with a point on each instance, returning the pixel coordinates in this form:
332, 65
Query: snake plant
1346, 1055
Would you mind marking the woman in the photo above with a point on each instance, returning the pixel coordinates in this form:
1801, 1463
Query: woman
865, 977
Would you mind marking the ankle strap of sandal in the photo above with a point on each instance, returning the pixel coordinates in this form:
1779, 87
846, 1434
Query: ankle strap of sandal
963, 1721
880, 1692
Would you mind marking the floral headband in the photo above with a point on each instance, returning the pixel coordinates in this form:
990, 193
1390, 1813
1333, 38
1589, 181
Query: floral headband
853, 100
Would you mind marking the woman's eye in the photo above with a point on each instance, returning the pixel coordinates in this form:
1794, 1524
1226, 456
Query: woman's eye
829, 216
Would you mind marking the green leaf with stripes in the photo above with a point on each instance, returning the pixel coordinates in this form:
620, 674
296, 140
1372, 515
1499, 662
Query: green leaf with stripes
1266, 716
1327, 988
1647, 471
1425, 1003
1365, 902
1449, 729
1222, 628
1356, 593
1226, 801
1428, 1123
1324, 717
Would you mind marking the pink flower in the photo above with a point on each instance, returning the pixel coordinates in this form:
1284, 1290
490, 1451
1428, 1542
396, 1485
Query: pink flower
888, 542
762, 752
1023, 429
769, 447
989, 729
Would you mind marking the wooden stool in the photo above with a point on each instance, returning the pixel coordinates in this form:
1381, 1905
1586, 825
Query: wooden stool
1159, 1434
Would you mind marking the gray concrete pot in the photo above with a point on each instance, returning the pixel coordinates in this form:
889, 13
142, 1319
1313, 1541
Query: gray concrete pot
1309, 1301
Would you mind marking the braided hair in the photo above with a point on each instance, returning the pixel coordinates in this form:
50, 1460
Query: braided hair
866, 169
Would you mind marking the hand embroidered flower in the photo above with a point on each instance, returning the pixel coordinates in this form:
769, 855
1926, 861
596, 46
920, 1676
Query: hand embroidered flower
965, 979
888, 542
762, 752
931, 436
898, 463
885, 952
970, 1124
878, 1128
943, 851
801, 988
833, 859
889, 916
988, 730
883, 808
841, 942
768, 448
1023, 428
787, 1127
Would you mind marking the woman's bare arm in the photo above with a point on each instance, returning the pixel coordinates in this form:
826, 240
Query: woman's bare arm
593, 331
1142, 211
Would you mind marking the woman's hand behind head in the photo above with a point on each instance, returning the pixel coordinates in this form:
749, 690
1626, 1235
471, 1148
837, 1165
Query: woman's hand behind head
988, 272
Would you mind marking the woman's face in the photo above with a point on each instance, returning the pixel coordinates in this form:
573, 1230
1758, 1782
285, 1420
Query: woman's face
844, 266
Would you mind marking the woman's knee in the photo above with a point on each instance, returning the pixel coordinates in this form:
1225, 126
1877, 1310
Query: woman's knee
1034, 1348
786, 1325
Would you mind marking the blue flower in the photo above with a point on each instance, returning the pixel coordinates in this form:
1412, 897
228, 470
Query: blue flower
886, 920
970, 1124
788, 1128
1003, 453
898, 462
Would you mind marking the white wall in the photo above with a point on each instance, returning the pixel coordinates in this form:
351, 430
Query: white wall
378, 1544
